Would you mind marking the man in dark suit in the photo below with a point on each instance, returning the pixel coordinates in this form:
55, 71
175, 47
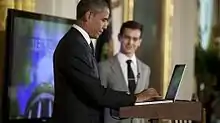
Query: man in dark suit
79, 95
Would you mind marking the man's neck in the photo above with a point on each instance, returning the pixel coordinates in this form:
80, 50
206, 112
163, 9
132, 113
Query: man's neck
83, 32
82, 25
128, 55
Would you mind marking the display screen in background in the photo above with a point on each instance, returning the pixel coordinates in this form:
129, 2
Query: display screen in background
31, 88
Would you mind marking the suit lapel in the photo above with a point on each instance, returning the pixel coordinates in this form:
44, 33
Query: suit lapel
82, 40
140, 80
117, 71
91, 57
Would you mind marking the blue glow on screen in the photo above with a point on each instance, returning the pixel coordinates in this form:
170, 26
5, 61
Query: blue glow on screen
32, 69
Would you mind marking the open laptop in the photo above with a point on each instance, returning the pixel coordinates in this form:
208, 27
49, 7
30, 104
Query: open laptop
173, 88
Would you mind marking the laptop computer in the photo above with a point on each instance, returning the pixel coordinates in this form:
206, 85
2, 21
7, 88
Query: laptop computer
173, 87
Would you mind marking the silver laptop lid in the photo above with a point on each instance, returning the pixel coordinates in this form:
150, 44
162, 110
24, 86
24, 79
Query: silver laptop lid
175, 81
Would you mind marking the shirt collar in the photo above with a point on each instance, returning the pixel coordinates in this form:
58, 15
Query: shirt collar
123, 58
83, 32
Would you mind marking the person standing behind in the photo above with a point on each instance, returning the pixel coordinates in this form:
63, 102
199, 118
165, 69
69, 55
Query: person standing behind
124, 71
79, 95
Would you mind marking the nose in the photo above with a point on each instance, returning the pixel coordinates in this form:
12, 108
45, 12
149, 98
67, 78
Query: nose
130, 41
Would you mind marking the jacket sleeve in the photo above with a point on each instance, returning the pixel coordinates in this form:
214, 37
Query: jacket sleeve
147, 77
76, 69
103, 74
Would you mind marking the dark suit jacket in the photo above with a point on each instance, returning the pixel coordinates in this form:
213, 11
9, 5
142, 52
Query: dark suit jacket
79, 95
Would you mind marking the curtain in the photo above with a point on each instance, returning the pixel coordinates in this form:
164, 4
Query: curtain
26, 5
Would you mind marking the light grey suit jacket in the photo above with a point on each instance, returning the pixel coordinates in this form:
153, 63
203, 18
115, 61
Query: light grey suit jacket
112, 76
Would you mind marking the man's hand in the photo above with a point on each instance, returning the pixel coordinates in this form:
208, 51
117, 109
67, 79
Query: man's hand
148, 95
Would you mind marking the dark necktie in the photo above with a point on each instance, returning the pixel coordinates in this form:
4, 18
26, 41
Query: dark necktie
131, 78
92, 47
94, 60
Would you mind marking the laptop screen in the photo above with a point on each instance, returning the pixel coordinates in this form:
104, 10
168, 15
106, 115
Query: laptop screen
175, 81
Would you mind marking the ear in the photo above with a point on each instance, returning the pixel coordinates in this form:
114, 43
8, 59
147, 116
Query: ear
87, 15
119, 37
140, 41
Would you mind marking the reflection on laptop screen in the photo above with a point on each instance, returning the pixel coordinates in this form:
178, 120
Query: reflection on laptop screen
175, 81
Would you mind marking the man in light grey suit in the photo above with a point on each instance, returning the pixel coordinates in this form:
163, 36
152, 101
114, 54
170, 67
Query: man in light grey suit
124, 71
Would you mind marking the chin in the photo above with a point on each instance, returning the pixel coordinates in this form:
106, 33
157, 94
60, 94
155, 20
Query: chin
94, 37
129, 52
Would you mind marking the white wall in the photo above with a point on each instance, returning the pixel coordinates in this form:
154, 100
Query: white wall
117, 20
67, 9
183, 40
61, 8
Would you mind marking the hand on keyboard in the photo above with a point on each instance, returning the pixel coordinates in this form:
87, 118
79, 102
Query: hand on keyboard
148, 95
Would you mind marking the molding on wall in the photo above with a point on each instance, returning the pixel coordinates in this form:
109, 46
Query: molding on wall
128, 10
167, 43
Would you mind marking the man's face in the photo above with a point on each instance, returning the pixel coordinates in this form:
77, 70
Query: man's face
130, 41
97, 22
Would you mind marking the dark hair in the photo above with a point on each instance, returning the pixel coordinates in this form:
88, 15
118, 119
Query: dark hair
131, 25
90, 5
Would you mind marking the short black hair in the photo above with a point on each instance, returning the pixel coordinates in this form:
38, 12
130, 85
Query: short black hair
131, 25
87, 5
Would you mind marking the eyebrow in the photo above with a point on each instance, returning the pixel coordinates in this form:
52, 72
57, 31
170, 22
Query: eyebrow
132, 37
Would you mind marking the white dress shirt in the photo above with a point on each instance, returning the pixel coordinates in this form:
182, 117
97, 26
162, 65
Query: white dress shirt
124, 66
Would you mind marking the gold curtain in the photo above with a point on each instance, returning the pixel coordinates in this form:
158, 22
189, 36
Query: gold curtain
4, 5
26, 5
128, 8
